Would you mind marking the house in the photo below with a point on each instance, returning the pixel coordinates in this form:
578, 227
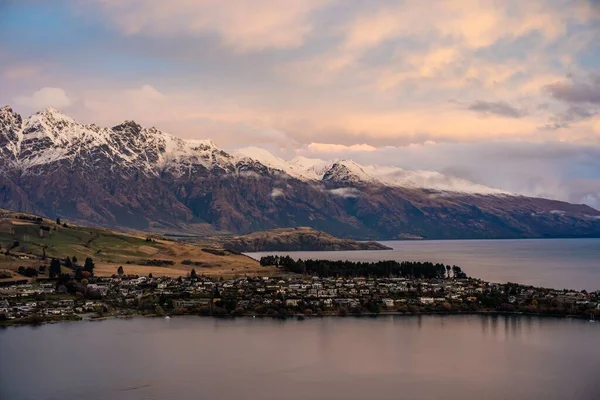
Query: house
426, 300
292, 302
101, 289
66, 303
186, 303
388, 302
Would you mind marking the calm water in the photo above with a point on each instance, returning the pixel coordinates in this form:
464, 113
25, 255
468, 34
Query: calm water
432, 357
556, 263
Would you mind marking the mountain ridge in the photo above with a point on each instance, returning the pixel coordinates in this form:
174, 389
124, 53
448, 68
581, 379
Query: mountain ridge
142, 178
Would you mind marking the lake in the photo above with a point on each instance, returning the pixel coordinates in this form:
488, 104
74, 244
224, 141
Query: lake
392, 357
555, 263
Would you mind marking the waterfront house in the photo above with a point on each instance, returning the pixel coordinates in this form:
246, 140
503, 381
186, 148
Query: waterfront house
389, 303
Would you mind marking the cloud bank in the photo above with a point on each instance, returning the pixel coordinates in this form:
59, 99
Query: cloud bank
45, 97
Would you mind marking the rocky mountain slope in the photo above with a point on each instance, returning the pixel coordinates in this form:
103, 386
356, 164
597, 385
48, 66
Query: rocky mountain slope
141, 178
292, 239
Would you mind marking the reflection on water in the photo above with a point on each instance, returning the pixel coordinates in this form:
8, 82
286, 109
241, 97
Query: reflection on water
555, 263
420, 357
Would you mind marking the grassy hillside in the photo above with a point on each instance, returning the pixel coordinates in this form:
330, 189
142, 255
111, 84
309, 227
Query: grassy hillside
27, 238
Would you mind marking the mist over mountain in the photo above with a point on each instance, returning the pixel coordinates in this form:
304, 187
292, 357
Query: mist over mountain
134, 177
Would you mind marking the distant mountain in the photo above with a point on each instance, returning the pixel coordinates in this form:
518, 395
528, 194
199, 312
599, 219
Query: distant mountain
133, 177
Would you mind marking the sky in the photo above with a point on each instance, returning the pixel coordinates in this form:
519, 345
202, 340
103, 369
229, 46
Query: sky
502, 92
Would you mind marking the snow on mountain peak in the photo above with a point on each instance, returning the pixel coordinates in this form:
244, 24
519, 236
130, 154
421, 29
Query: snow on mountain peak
268, 159
203, 143
346, 171
128, 125
305, 162
395, 176
54, 115
6, 109
49, 136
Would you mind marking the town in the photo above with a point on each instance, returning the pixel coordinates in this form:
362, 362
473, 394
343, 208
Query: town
287, 295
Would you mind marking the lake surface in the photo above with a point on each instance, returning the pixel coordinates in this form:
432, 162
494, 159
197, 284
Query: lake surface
428, 357
555, 263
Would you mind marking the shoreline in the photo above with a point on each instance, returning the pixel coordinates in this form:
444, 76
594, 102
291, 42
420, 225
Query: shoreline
298, 317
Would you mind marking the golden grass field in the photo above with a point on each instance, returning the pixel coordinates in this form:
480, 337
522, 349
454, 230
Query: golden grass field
110, 249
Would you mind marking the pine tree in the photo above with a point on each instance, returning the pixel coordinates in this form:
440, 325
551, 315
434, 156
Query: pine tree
54, 268
89, 265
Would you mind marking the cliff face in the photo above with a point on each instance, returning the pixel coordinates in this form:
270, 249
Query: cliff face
129, 176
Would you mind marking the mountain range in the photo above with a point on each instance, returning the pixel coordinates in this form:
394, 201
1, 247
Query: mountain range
132, 177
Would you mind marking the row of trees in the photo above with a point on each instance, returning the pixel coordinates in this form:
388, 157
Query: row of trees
80, 272
54, 270
328, 268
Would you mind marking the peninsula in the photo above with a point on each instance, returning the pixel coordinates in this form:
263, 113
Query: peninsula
324, 288
293, 239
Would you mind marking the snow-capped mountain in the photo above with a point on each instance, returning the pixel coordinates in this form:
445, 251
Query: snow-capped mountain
50, 136
349, 171
136, 177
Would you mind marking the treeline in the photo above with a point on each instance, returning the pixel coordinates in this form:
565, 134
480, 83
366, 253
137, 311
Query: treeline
328, 268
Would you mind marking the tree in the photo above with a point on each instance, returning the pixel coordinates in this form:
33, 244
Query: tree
89, 265
448, 268
150, 275
68, 262
54, 268
458, 272
120, 271
74, 259
57, 221
193, 274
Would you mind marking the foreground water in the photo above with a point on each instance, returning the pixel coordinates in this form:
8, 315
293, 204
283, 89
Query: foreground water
429, 357
555, 263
